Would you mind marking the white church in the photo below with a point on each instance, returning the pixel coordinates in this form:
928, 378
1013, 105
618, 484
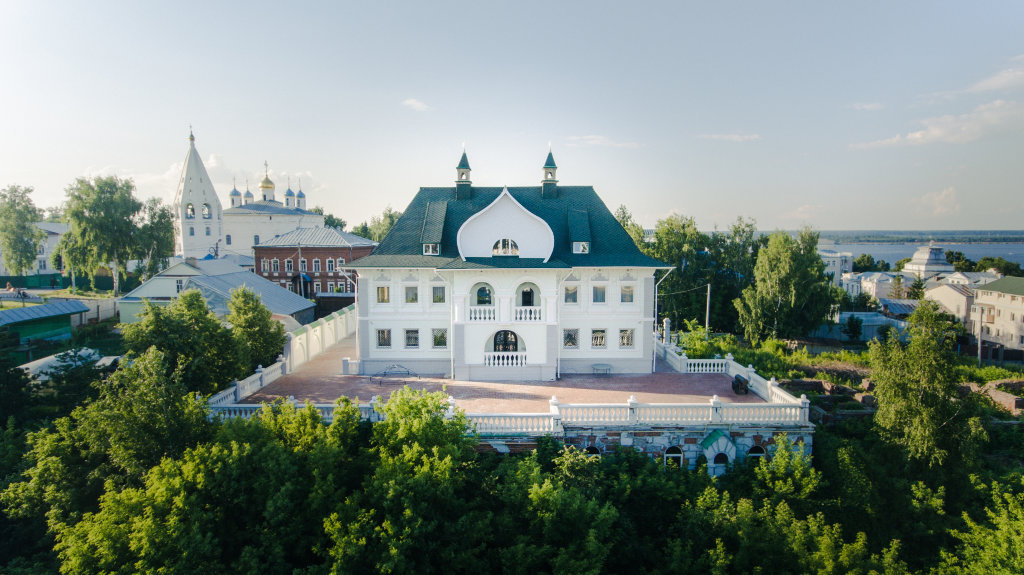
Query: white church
202, 228
507, 283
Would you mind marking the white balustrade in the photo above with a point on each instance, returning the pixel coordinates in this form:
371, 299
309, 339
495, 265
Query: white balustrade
528, 313
575, 414
482, 313
504, 358
672, 414
707, 366
512, 423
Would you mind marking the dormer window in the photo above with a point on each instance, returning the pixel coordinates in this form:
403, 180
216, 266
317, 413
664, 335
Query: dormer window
505, 247
581, 247
431, 249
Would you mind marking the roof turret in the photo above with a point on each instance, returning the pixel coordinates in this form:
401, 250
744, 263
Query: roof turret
464, 162
550, 163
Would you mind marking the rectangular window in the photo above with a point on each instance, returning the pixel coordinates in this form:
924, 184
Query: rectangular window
316, 265
383, 294
316, 287
571, 338
412, 338
597, 339
581, 247
440, 337
330, 287
438, 294
227, 239
383, 338
179, 285
341, 262
275, 265
302, 265
289, 265
42, 249
626, 295
571, 294
599, 294
42, 265
626, 338
431, 249
265, 265
412, 294
255, 240
330, 265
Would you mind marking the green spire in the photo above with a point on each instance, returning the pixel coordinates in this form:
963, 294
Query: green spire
550, 163
464, 162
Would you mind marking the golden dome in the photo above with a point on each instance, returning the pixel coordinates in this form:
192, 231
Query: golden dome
266, 183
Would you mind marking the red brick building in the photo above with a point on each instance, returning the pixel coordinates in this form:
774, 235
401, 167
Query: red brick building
308, 261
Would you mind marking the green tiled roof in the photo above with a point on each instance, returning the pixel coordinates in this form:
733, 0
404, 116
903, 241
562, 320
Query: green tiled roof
550, 163
1009, 284
579, 226
502, 262
433, 222
463, 163
610, 245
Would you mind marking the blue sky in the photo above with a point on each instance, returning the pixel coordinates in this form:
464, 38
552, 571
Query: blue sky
856, 115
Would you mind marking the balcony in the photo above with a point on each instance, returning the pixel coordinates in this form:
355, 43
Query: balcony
533, 313
482, 313
504, 358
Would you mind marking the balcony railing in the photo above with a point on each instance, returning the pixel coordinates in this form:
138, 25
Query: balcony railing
482, 313
504, 358
533, 313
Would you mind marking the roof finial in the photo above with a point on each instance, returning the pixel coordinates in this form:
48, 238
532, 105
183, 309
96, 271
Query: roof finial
289, 182
191, 138
247, 183
300, 183
549, 146
234, 182
266, 168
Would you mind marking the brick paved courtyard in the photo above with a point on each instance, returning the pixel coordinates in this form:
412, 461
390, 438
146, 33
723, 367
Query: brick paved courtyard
320, 381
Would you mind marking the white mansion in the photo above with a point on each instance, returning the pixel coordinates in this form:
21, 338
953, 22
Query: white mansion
202, 228
485, 283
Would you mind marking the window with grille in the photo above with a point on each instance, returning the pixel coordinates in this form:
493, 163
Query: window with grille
597, 338
571, 338
412, 338
626, 338
440, 337
383, 338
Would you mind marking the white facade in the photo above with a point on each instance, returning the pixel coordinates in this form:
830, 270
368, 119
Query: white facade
202, 228
999, 307
41, 265
836, 264
956, 300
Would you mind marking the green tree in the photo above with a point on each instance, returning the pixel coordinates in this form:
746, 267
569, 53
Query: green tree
101, 213
916, 289
897, 290
960, 261
19, 236
379, 226
154, 237
635, 230
898, 266
790, 295
330, 220
853, 328
920, 407
200, 352
1000, 265
996, 546
254, 328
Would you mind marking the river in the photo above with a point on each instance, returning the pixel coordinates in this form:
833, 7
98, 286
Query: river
892, 253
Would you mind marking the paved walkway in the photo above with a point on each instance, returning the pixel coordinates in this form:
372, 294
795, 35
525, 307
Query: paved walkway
320, 381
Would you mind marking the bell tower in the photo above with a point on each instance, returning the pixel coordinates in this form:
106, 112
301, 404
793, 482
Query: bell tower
198, 218
463, 185
549, 185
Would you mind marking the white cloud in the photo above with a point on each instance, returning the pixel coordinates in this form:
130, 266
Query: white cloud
994, 117
942, 203
803, 212
730, 137
415, 105
580, 141
1012, 77
867, 106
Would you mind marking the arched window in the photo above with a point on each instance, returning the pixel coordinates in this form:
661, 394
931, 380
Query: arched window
527, 295
207, 214
506, 340
592, 451
674, 457
483, 294
505, 247
190, 212
757, 451
721, 459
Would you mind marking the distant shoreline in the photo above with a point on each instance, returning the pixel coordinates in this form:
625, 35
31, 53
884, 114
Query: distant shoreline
923, 236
